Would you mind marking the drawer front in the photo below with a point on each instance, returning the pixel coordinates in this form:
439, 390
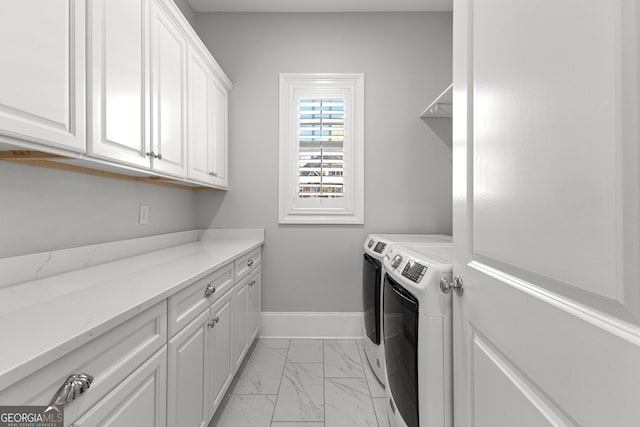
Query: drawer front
139, 401
247, 262
187, 304
109, 358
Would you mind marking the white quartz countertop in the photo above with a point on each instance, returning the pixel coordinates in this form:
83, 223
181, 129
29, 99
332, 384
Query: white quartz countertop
44, 319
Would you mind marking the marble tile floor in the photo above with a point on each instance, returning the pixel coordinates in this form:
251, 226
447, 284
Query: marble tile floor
304, 383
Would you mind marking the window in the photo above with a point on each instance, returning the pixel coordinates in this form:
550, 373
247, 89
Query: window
321, 148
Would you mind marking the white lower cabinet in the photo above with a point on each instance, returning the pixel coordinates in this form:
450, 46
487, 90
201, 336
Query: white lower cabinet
145, 377
253, 318
240, 321
140, 400
246, 312
200, 366
218, 353
186, 397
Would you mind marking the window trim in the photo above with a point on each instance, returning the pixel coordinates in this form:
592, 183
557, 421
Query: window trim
352, 211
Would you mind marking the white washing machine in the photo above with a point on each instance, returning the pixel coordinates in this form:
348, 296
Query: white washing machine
418, 335
376, 247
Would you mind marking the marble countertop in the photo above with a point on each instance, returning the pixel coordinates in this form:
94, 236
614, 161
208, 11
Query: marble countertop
44, 319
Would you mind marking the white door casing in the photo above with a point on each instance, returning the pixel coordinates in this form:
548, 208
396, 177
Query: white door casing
546, 212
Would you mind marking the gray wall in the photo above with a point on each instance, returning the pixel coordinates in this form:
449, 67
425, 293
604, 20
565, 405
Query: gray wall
406, 58
186, 10
44, 209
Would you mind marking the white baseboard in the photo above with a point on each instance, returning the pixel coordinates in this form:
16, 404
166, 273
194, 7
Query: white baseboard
312, 325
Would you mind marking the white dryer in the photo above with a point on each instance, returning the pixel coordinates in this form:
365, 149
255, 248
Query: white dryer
418, 335
376, 247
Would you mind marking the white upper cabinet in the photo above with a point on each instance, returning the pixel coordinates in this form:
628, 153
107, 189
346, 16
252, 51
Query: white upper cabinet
118, 82
42, 72
201, 121
220, 140
147, 98
169, 93
207, 122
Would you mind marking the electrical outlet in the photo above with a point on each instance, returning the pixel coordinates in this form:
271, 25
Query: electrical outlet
144, 215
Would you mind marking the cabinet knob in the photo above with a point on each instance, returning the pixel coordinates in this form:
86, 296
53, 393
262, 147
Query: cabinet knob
151, 153
249, 263
209, 290
217, 319
159, 157
211, 323
72, 388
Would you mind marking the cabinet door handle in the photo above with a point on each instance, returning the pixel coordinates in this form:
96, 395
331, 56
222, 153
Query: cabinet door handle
211, 323
217, 319
210, 290
72, 388
249, 263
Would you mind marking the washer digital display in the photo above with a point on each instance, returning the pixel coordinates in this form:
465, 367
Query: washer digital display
414, 271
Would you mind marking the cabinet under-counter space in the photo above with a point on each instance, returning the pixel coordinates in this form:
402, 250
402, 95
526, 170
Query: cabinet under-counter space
159, 331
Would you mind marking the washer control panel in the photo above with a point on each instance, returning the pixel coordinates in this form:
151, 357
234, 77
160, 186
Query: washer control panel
414, 271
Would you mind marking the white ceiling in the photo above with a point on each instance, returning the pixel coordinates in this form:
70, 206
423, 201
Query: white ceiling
321, 6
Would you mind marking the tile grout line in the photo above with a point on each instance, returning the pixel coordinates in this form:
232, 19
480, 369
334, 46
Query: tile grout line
284, 366
368, 386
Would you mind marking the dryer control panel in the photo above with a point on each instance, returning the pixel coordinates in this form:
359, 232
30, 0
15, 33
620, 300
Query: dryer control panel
414, 271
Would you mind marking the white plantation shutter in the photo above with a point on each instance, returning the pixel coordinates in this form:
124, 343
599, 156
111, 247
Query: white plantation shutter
321, 148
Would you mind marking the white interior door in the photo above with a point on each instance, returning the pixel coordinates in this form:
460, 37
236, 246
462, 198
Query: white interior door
546, 202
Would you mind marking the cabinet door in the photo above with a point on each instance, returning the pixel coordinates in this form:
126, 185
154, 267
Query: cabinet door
218, 353
253, 317
169, 89
118, 81
201, 119
220, 140
42, 72
139, 401
185, 397
240, 321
